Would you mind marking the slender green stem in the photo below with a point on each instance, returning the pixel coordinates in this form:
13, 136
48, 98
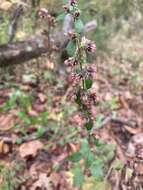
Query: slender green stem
80, 57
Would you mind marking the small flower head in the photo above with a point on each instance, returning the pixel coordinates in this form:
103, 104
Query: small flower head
66, 8
91, 69
72, 35
71, 95
89, 45
71, 62
73, 2
92, 96
77, 14
75, 78
86, 101
51, 20
43, 13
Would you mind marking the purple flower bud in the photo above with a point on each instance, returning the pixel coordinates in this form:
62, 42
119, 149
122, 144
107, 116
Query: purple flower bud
72, 35
75, 78
71, 62
42, 13
51, 20
92, 96
73, 2
91, 47
71, 96
77, 13
66, 8
91, 69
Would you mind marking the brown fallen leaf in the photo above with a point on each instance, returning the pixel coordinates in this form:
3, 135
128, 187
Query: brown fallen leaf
43, 182
30, 148
33, 113
42, 97
73, 147
55, 178
138, 168
40, 167
4, 148
123, 102
6, 122
61, 157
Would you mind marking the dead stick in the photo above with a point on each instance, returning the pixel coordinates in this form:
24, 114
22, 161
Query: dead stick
33, 136
112, 119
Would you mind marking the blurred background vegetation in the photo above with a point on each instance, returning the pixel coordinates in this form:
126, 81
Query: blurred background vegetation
112, 16
118, 34
116, 19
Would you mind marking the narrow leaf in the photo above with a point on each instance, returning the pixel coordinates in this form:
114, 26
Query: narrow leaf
75, 157
78, 100
88, 83
71, 48
79, 25
89, 125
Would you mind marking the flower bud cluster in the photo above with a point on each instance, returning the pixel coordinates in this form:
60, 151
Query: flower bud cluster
91, 71
72, 9
73, 2
89, 45
75, 78
88, 101
81, 75
72, 35
71, 62
44, 14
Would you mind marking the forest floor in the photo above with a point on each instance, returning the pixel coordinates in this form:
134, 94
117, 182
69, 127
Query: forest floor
40, 129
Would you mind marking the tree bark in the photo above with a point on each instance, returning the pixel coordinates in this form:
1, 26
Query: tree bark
19, 52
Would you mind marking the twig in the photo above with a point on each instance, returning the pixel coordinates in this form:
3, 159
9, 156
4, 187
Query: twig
13, 22
26, 138
111, 119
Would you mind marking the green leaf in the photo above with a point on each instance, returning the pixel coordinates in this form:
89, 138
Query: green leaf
93, 184
78, 100
99, 120
44, 118
89, 159
61, 17
71, 8
18, 141
96, 170
25, 102
75, 157
97, 143
28, 78
71, 48
79, 25
88, 83
102, 185
24, 117
40, 132
117, 164
78, 176
89, 125
85, 149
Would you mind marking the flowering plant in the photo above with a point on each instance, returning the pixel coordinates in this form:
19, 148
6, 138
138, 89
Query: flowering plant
81, 75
